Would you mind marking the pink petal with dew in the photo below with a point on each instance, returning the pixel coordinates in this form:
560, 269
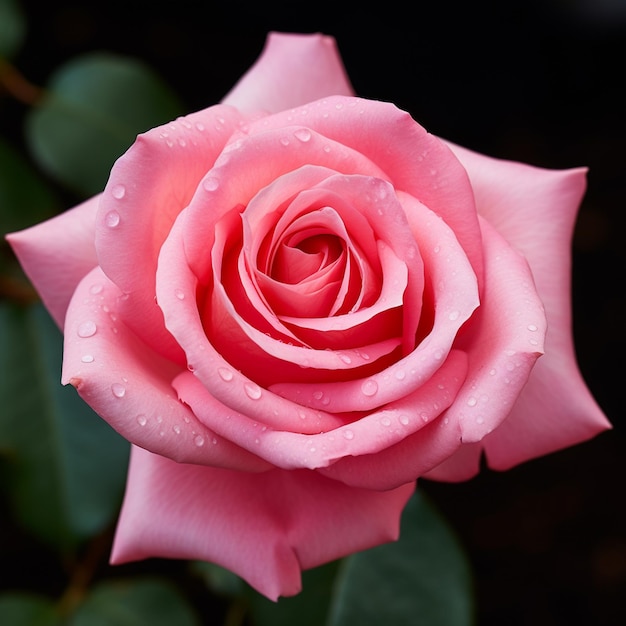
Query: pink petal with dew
129, 385
535, 210
148, 187
264, 527
292, 69
503, 340
418, 163
58, 253
363, 437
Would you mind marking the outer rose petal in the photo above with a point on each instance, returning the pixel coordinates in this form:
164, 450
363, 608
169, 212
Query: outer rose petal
57, 254
265, 527
535, 210
129, 385
292, 70
148, 187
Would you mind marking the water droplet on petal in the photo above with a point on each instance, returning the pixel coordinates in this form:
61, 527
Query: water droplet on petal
199, 440
348, 434
142, 420
369, 387
96, 289
118, 192
303, 134
345, 358
112, 219
87, 329
253, 391
225, 374
385, 421
87, 358
471, 401
454, 315
284, 141
404, 420
176, 429
118, 390
400, 374
179, 294
210, 184
532, 327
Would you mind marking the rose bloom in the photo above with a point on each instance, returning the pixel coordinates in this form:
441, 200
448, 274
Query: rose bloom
297, 302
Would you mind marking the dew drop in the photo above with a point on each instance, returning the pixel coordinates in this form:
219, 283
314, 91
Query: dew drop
142, 420
454, 315
480, 420
179, 294
119, 391
532, 327
176, 429
318, 395
118, 192
87, 329
112, 219
404, 420
385, 421
253, 391
424, 416
533, 342
210, 184
199, 440
438, 355
87, 358
369, 387
348, 434
303, 134
284, 141
345, 358
400, 374
96, 289
471, 401
492, 372
225, 374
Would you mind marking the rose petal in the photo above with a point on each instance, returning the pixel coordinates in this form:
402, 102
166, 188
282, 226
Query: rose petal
535, 210
263, 527
56, 254
363, 437
504, 339
419, 163
128, 385
148, 187
292, 70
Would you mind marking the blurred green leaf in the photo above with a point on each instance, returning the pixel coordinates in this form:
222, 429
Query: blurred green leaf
12, 27
94, 108
64, 467
134, 602
308, 608
218, 579
423, 578
25, 198
27, 609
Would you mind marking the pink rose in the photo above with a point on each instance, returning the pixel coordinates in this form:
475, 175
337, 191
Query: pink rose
294, 307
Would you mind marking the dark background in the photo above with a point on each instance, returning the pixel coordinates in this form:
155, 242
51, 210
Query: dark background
541, 82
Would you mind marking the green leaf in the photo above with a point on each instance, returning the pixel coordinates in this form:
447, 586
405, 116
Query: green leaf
218, 579
27, 609
308, 608
94, 108
137, 602
64, 467
421, 579
25, 198
12, 27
